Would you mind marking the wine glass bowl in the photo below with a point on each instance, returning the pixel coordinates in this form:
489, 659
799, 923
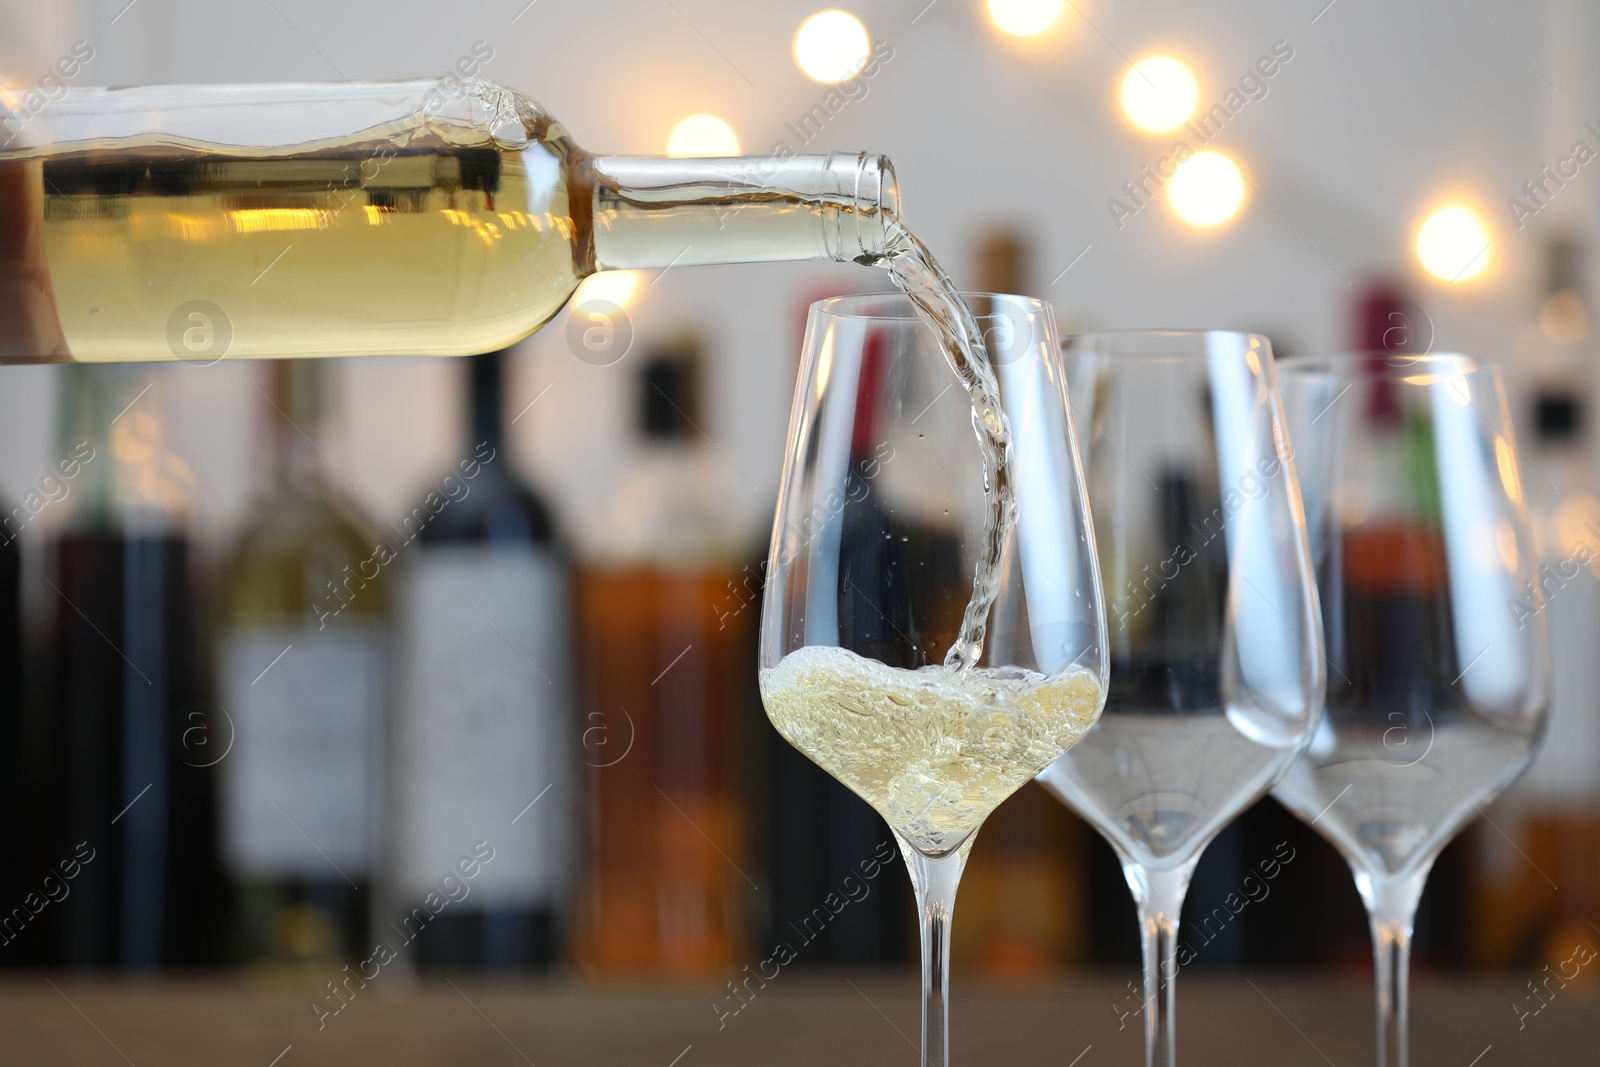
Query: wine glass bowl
1215, 673
932, 631
1437, 653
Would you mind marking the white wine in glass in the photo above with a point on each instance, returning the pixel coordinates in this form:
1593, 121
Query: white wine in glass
932, 632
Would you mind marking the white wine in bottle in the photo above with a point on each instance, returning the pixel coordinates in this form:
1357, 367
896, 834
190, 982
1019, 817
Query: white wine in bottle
304, 687
432, 218
435, 218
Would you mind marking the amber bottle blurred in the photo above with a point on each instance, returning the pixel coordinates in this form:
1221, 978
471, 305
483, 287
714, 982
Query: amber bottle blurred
1553, 813
665, 891
1023, 893
18, 848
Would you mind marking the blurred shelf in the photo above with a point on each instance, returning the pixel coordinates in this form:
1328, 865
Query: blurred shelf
843, 1018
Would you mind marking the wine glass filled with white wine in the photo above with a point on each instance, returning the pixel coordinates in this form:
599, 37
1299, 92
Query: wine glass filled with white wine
932, 633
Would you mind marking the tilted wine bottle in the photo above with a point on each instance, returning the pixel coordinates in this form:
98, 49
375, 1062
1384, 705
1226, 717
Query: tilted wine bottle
444, 218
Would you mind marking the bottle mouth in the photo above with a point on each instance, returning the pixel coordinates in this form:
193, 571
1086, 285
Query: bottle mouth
868, 205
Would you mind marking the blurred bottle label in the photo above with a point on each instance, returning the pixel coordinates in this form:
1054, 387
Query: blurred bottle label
298, 785
481, 750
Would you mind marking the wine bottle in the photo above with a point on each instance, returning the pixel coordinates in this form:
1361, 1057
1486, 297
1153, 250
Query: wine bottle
131, 780
484, 747
817, 836
1393, 568
1554, 812
304, 692
1023, 910
1557, 807
19, 853
665, 889
262, 221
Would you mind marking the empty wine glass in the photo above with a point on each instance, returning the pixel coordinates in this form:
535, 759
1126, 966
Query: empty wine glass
1215, 642
1437, 668
883, 538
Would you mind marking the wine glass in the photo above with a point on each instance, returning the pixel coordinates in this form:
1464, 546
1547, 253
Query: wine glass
882, 538
1437, 683
1216, 674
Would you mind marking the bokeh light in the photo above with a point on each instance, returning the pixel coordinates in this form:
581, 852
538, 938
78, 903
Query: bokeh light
1453, 243
1159, 93
1207, 189
831, 46
702, 135
615, 287
1024, 18
1563, 318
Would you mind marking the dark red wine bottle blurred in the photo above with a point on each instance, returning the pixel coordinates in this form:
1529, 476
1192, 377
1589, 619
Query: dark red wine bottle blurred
485, 715
130, 743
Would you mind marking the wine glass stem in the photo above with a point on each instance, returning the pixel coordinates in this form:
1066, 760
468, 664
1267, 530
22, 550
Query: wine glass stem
935, 881
1159, 895
1391, 907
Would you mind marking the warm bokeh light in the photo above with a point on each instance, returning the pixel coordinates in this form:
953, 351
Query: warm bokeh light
831, 46
615, 287
1206, 189
1159, 93
1024, 18
1453, 244
1571, 523
1563, 318
702, 135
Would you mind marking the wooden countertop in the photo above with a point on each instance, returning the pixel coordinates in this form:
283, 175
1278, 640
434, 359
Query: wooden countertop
841, 1019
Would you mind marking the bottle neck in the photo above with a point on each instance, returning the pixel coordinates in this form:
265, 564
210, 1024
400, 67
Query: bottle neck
296, 401
115, 422
485, 385
653, 212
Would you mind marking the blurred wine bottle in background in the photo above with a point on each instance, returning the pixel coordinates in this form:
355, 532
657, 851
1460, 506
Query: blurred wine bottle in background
1396, 582
1023, 893
131, 799
818, 838
18, 849
663, 664
483, 748
1554, 812
301, 664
